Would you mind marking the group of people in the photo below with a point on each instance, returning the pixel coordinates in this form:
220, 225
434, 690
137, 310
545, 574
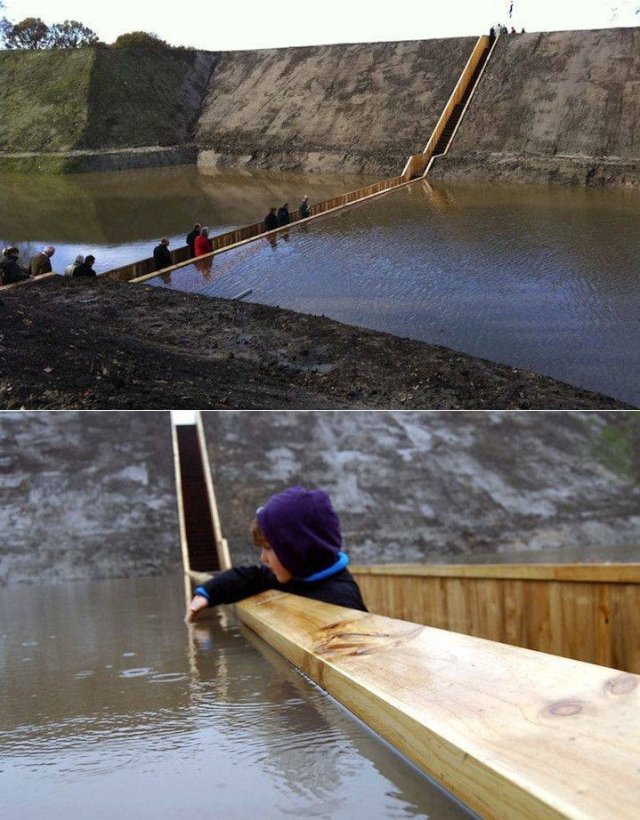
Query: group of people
278, 217
12, 271
199, 242
500, 28
197, 239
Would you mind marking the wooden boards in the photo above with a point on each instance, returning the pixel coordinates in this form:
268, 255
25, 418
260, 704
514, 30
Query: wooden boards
513, 733
588, 612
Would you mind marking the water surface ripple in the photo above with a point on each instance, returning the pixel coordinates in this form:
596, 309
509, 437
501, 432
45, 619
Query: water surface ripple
542, 279
233, 730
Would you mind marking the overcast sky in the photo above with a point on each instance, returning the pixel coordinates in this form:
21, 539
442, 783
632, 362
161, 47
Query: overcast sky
259, 24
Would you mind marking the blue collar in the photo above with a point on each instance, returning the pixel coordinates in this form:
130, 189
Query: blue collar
341, 562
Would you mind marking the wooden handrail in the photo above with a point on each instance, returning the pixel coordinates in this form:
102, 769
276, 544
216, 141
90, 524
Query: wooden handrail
512, 733
12, 285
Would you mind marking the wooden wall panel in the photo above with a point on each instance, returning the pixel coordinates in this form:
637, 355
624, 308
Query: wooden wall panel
585, 612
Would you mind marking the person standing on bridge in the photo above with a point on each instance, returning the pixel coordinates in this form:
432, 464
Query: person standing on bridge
298, 534
303, 210
86, 268
41, 262
283, 215
68, 271
203, 244
191, 238
271, 220
162, 255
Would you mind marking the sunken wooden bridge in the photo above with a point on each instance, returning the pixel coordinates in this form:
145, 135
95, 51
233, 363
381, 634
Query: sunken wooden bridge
514, 733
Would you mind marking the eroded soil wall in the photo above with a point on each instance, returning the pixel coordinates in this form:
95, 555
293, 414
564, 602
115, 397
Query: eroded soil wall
554, 107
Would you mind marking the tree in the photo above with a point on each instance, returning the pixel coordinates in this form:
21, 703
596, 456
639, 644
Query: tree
33, 33
71, 34
30, 33
139, 39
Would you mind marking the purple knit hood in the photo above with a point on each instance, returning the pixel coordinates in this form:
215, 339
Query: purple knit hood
303, 529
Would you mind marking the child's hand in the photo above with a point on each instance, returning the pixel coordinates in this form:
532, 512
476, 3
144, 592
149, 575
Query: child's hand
198, 603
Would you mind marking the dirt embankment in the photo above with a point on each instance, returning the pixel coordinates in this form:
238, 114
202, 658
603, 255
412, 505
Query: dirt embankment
361, 108
102, 344
416, 487
554, 107
557, 107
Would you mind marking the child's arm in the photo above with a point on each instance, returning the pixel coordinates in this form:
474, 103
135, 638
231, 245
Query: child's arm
230, 586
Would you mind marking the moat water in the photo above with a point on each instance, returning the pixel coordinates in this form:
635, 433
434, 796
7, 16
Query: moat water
545, 279
112, 707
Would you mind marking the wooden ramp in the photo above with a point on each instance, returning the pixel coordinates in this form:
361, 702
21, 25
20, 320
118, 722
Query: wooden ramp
203, 547
511, 732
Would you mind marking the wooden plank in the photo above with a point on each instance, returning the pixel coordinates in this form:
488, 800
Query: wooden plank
588, 620
12, 285
511, 732
610, 573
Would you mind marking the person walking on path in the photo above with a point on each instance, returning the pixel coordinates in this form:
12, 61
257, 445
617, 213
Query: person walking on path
271, 220
298, 534
203, 244
283, 215
303, 210
69, 270
86, 268
10, 270
191, 238
41, 262
162, 255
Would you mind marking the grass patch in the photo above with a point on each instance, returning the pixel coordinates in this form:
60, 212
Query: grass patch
43, 98
135, 97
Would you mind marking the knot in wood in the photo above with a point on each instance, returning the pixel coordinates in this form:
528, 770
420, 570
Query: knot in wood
621, 684
566, 708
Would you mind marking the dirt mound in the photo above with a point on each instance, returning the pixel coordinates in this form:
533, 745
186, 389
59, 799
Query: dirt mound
102, 344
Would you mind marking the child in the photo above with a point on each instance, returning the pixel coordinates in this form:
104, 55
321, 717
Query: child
298, 535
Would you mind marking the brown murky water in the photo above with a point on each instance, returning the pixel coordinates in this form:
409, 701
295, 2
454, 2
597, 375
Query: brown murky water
112, 709
544, 279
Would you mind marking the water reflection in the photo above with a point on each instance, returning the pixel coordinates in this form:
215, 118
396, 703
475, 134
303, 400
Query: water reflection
119, 217
542, 279
107, 700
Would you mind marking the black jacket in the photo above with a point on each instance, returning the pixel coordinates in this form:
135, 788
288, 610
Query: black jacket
242, 582
191, 240
162, 257
84, 270
283, 216
10, 271
270, 222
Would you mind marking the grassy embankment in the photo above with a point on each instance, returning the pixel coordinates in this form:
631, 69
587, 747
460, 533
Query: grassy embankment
56, 102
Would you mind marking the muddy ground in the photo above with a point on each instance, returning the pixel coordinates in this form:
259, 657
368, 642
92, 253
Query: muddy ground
102, 344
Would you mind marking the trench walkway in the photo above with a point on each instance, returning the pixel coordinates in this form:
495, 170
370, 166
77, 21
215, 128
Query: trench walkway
510, 731
416, 168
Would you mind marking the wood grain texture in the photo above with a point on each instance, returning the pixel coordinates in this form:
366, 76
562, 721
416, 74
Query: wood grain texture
511, 732
587, 612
